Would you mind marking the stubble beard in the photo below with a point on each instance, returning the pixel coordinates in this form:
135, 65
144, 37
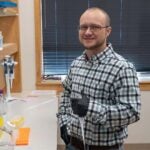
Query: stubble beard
96, 47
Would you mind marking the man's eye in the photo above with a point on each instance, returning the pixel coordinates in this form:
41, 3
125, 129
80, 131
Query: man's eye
94, 27
84, 27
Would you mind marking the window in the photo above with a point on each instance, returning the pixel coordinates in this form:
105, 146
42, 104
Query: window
60, 45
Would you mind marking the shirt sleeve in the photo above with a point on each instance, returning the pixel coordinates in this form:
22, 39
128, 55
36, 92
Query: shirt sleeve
127, 94
64, 110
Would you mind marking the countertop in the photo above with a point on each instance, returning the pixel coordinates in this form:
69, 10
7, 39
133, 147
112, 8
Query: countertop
39, 110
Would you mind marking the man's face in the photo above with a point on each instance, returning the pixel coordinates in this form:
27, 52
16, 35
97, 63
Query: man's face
91, 35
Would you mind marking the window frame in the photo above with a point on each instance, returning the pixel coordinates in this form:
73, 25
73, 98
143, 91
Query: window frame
40, 83
53, 84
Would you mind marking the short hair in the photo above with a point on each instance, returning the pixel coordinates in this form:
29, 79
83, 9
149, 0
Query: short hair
108, 20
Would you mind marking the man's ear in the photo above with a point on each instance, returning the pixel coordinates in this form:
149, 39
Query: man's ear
108, 31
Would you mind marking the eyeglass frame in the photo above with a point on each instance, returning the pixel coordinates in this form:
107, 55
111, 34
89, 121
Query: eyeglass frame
93, 27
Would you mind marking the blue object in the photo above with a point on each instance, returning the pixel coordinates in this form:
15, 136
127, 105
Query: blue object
4, 4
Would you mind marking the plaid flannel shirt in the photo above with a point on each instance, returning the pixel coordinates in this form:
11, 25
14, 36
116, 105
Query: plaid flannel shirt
111, 84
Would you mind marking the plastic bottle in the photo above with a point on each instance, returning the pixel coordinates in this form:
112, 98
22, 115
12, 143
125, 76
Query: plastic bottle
3, 104
1, 41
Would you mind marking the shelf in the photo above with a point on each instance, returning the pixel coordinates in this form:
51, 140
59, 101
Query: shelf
8, 15
8, 12
8, 49
9, 26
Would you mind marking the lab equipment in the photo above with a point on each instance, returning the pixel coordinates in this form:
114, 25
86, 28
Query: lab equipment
9, 132
10, 123
3, 103
80, 108
7, 138
9, 64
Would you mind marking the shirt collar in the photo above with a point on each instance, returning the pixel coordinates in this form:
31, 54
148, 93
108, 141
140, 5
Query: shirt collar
100, 56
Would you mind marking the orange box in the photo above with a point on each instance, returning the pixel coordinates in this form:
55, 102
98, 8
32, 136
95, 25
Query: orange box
23, 136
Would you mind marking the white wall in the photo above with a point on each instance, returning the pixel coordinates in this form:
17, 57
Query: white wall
26, 13
138, 132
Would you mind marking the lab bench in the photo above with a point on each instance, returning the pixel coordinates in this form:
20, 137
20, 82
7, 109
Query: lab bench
39, 112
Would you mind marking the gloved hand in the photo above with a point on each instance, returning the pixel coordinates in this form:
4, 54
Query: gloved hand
64, 135
71, 147
80, 106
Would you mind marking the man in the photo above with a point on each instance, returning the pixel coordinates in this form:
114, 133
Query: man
101, 87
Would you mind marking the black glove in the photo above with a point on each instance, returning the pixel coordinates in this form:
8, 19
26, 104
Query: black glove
64, 135
80, 106
71, 147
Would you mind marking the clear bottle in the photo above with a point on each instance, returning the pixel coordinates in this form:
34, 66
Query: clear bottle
1, 41
3, 104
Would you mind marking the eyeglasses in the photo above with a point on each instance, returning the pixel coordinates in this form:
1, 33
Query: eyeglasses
93, 28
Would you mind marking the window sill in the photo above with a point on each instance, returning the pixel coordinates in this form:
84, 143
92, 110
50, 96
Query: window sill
50, 85
57, 85
145, 86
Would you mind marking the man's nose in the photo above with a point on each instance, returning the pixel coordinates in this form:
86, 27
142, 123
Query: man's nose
88, 31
